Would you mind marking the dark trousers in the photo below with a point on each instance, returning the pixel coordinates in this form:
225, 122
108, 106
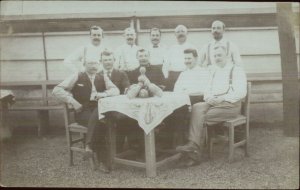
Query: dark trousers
171, 80
176, 124
127, 127
97, 130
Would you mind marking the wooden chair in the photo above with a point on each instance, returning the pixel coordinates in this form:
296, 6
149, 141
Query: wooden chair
240, 120
71, 129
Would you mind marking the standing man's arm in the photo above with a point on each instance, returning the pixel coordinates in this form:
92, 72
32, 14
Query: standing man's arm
167, 64
236, 57
203, 56
63, 91
75, 57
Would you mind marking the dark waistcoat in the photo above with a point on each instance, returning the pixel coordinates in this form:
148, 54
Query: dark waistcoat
83, 87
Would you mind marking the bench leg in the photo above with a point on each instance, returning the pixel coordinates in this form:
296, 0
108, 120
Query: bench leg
43, 122
150, 154
231, 143
247, 140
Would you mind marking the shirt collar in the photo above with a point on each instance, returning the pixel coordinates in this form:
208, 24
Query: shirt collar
222, 41
108, 71
91, 76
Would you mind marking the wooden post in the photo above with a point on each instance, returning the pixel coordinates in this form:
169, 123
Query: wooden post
289, 69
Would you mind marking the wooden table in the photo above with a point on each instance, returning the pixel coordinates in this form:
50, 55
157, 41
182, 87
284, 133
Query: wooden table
149, 112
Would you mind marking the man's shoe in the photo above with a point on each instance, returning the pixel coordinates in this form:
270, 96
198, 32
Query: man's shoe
189, 147
105, 168
88, 152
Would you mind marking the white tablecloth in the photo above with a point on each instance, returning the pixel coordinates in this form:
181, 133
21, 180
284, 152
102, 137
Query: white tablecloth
149, 112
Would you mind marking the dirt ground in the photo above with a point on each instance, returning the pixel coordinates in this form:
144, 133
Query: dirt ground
27, 160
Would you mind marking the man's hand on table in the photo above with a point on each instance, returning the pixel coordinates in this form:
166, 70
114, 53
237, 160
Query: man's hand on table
100, 95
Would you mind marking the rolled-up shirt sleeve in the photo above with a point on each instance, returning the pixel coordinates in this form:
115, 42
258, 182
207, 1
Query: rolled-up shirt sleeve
63, 90
111, 89
239, 86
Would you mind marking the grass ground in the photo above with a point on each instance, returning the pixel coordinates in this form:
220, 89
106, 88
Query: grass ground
27, 160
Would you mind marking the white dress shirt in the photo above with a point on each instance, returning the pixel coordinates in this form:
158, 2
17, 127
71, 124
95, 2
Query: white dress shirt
233, 54
126, 57
74, 61
175, 58
192, 81
218, 83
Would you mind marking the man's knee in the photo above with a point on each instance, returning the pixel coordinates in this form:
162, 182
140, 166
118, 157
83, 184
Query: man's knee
200, 107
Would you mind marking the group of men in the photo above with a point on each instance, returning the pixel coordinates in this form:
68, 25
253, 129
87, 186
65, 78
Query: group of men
213, 78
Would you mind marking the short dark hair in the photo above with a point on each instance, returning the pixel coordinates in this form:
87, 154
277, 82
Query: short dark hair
155, 29
142, 50
192, 51
94, 27
106, 52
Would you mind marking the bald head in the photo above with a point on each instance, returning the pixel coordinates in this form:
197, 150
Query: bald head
181, 33
217, 29
130, 36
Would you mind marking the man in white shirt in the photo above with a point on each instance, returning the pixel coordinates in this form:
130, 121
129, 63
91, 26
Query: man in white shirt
157, 50
82, 90
232, 51
194, 79
175, 58
74, 62
227, 86
126, 54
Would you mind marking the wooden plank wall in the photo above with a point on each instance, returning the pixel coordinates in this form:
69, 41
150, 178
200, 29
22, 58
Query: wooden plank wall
22, 59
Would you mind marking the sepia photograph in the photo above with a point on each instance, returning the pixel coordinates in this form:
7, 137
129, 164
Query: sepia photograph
149, 94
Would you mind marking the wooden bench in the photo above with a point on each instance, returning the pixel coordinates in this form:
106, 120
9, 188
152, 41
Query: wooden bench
42, 109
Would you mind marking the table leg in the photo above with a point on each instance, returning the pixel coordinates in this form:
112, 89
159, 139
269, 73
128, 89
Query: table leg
43, 119
112, 142
150, 154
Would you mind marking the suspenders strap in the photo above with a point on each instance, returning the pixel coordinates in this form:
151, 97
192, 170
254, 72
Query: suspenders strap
84, 55
208, 55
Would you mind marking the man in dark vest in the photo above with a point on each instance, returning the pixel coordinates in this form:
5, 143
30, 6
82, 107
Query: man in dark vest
82, 90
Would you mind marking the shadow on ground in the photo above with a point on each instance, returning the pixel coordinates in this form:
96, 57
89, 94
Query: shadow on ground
27, 160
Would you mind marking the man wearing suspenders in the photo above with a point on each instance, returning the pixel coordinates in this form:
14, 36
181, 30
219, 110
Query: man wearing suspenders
227, 86
232, 51
74, 62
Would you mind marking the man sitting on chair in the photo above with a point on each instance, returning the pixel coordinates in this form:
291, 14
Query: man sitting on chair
82, 90
227, 86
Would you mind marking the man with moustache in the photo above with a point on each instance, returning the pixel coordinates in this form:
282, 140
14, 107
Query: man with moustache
83, 90
232, 51
157, 50
126, 54
227, 86
175, 58
74, 62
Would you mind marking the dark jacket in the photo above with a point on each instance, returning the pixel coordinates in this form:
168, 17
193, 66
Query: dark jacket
120, 79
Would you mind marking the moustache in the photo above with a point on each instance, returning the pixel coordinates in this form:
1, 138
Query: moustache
96, 39
129, 38
181, 35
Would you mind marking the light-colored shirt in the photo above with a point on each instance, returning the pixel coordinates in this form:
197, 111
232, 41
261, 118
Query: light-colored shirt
175, 58
233, 54
218, 83
126, 57
63, 90
192, 81
157, 54
74, 61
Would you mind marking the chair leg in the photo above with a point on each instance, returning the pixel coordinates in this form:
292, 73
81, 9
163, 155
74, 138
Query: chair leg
210, 133
247, 140
231, 143
69, 139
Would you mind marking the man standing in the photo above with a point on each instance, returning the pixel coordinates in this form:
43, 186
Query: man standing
126, 54
175, 63
157, 50
226, 88
232, 51
192, 81
74, 62
82, 90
